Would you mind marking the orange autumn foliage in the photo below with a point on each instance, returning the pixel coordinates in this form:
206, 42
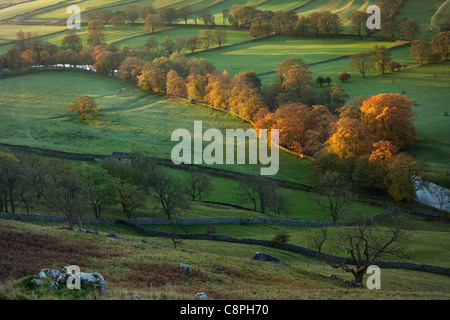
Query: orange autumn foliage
84, 106
390, 118
351, 137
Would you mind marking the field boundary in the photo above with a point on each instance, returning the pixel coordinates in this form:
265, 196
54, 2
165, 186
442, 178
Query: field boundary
285, 246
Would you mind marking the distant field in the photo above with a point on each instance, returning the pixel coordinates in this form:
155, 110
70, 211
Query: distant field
432, 96
25, 8
343, 8
416, 9
267, 54
234, 36
129, 118
59, 12
9, 32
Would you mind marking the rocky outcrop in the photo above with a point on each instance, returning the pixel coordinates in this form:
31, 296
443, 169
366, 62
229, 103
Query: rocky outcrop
261, 256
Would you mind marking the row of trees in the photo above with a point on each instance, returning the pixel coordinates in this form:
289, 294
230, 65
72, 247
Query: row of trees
380, 57
30, 181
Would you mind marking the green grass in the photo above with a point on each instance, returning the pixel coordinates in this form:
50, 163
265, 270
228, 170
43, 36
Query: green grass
8, 32
129, 118
343, 8
267, 54
234, 36
423, 246
25, 8
418, 82
423, 13
244, 278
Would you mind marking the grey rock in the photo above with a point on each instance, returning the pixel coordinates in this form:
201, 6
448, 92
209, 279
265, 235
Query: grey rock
94, 280
53, 286
261, 256
202, 296
37, 282
50, 273
185, 268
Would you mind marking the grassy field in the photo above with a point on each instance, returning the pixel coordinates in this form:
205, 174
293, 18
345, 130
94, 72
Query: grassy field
267, 54
129, 118
343, 8
8, 32
418, 83
415, 9
126, 264
25, 8
234, 36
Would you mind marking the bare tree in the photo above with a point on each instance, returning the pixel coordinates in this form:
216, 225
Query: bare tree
337, 195
197, 185
168, 191
261, 192
365, 242
65, 192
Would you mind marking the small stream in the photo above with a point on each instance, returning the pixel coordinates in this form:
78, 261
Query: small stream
432, 194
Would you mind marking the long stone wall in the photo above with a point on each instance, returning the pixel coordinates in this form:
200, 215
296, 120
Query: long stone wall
286, 246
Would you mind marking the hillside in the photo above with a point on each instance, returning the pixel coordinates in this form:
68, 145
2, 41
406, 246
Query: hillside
93, 118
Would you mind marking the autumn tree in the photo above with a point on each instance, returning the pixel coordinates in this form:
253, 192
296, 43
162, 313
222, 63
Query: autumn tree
169, 45
384, 153
303, 129
194, 42
338, 96
362, 62
350, 137
400, 177
84, 106
245, 99
95, 32
180, 44
72, 41
409, 29
220, 37
132, 13
207, 39
29, 58
169, 15
390, 118
420, 49
297, 84
329, 22
105, 15
117, 21
441, 44
344, 77
218, 89
358, 21
196, 86
176, 85
184, 12
152, 21
153, 79
381, 56
131, 69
